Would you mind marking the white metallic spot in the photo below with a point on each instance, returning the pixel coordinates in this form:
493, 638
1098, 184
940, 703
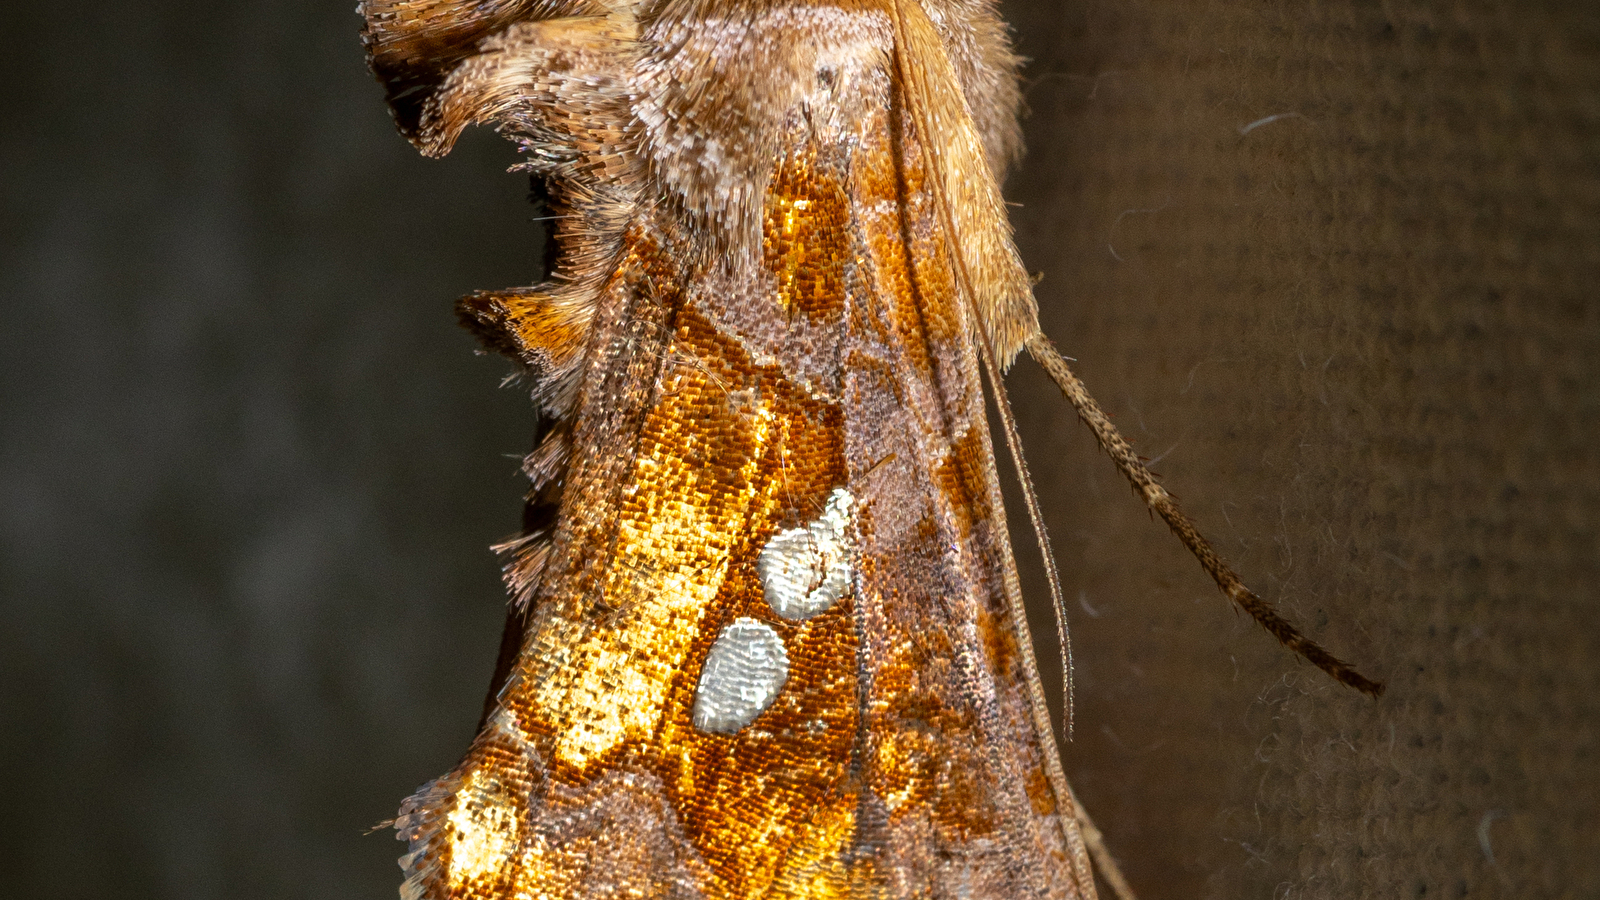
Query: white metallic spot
806, 570
744, 671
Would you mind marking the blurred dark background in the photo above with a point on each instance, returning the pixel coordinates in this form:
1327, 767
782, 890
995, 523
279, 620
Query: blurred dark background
1333, 265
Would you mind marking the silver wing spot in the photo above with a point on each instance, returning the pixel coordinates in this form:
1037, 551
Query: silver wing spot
743, 673
806, 570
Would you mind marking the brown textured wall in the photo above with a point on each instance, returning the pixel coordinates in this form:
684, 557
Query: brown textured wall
1361, 338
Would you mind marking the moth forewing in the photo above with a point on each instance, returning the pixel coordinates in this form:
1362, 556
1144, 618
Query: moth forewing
767, 638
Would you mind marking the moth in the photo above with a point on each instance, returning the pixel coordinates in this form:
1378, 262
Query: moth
765, 637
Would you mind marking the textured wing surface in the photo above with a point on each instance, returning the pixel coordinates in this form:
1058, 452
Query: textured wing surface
769, 647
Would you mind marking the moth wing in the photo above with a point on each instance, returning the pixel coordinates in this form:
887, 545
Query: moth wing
747, 412
944, 605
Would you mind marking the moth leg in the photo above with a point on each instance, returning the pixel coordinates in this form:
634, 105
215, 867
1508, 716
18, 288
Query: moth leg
1104, 864
1156, 497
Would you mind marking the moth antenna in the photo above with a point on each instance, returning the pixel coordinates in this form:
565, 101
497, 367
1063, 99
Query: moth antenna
914, 82
1161, 502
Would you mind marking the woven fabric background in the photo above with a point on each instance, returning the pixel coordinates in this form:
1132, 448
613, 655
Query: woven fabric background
1332, 265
